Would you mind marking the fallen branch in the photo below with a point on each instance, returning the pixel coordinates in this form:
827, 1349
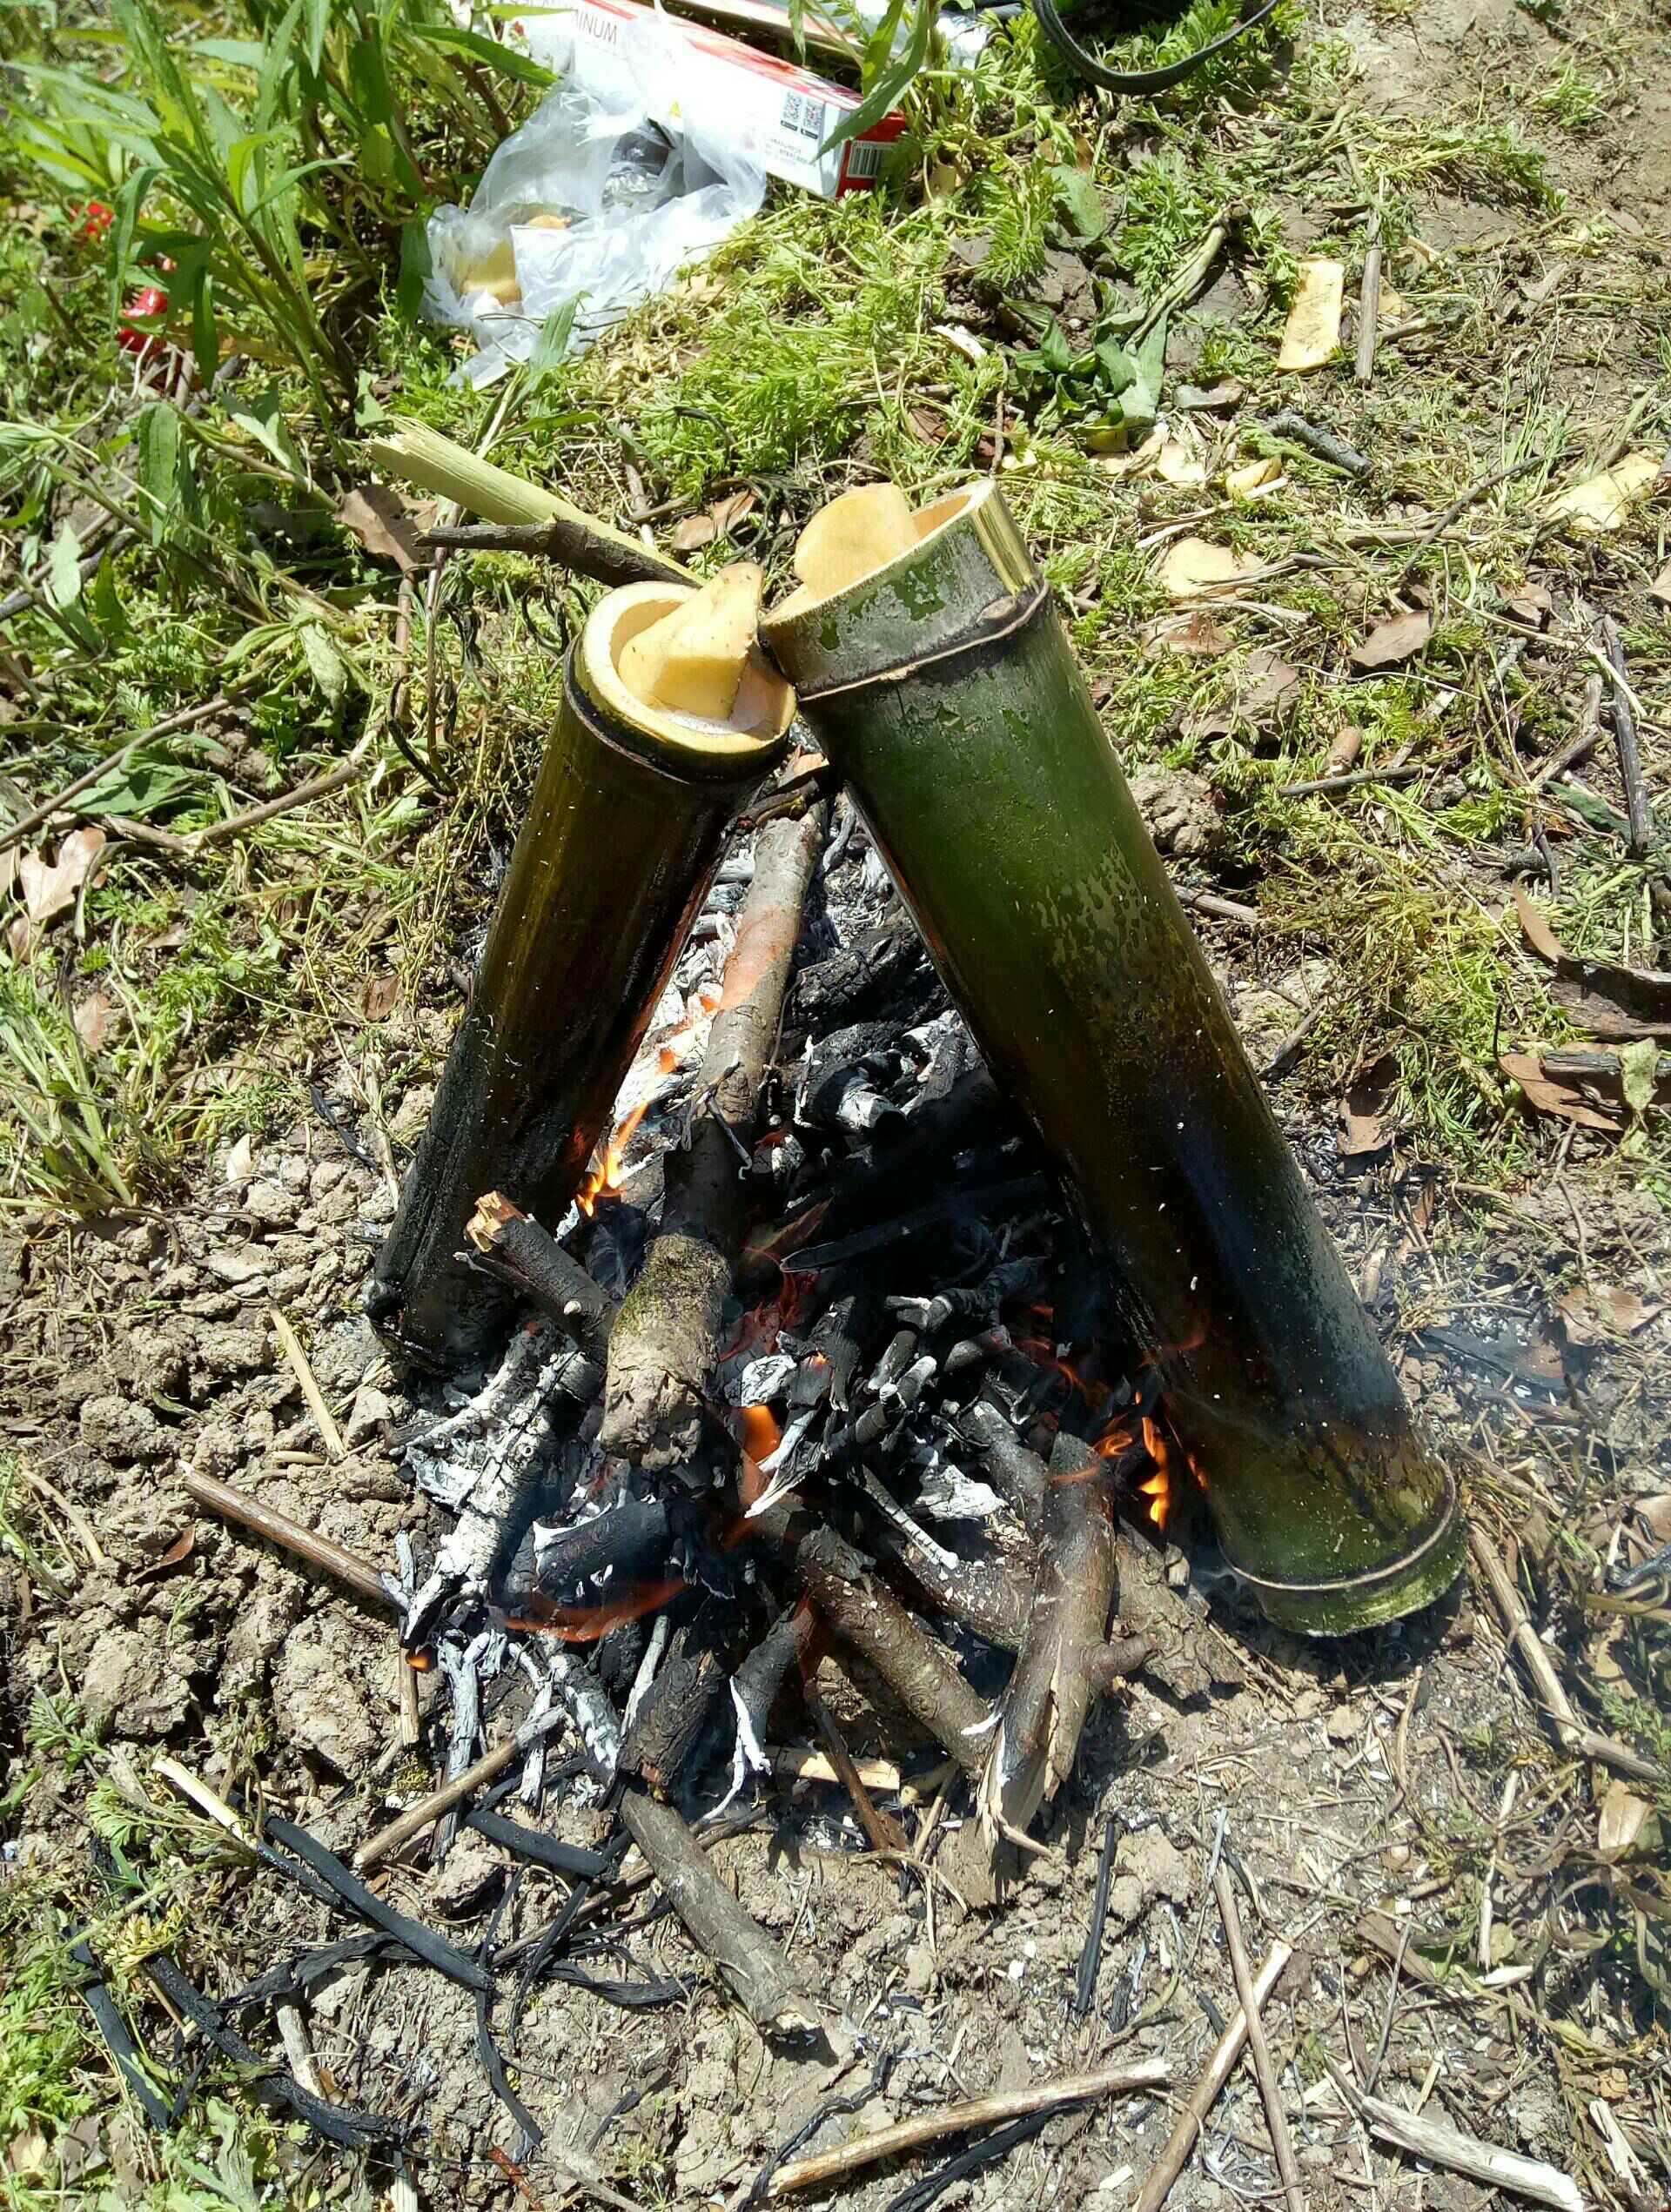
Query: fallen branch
441, 1801
882, 1831
15, 831
318, 1551
751, 1965
1369, 304
1570, 1732
572, 543
1629, 743
958, 2119
318, 787
1175, 2156
1270, 2089
1580, 748
423, 456
1443, 2145
664, 1345
527, 1259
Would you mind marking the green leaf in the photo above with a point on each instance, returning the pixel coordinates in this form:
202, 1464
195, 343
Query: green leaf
128, 201
141, 785
551, 347
1141, 402
1115, 365
104, 605
1080, 203
329, 669
156, 439
415, 267
64, 569
522, 68
205, 334
240, 53
883, 96
319, 22
269, 431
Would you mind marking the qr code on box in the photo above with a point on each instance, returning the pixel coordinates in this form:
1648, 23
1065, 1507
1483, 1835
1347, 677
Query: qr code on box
803, 114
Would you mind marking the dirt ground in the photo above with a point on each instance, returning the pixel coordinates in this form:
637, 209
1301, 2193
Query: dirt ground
1397, 1791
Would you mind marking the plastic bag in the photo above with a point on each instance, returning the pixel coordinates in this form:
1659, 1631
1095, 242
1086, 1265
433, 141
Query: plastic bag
590, 201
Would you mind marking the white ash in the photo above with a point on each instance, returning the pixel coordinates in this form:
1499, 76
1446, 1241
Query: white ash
461, 1667
580, 1694
758, 1382
661, 1634
947, 1494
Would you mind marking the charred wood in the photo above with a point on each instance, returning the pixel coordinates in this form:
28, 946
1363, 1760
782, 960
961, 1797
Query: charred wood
679, 1701
527, 1259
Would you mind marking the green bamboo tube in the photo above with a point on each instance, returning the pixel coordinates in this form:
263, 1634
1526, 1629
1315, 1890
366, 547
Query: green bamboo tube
613, 862
944, 687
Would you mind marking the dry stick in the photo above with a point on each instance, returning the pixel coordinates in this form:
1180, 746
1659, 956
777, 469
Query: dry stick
1442, 2145
323, 1420
1580, 748
883, 1831
1458, 507
753, 1968
1223, 910
1570, 1732
663, 1348
1175, 2156
1369, 304
520, 1253
1630, 750
88, 777
1405, 774
1270, 2088
318, 1551
959, 2119
318, 787
421, 456
573, 545
430, 1809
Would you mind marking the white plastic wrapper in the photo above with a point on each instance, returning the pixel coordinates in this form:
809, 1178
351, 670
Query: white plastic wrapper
591, 201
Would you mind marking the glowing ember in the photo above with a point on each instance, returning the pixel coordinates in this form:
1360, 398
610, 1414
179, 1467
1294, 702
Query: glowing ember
586, 1624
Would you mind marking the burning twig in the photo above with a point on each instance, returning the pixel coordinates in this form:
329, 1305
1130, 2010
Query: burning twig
1570, 1732
753, 1968
958, 2119
528, 1260
1225, 2052
1270, 2089
664, 1346
332, 1558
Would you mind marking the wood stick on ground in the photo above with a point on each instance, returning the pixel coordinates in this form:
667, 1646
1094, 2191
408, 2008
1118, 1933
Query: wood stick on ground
320, 1551
1629, 745
323, 1420
1580, 748
428, 1810
1442, 2145
318, 787
1369, 304
1570, 1732
516, 1249
1258, 2049
1175, 2155
666, 1339
864, 1615
1050, 1692
881, 1828
208, 1802
960, 2119
14, 831
1221, 908
751, 1965
421, 456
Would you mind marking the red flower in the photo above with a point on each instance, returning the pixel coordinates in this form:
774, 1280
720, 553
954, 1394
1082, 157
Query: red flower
96, 220
144, 305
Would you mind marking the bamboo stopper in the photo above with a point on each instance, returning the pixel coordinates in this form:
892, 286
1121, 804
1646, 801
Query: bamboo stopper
692, 661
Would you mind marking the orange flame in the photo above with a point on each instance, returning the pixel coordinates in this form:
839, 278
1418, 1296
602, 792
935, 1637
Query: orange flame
1158, 1488
604, 1179
760, 1438
586, 1624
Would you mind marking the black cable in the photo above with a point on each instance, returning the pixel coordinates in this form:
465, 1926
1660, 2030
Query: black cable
1138, 80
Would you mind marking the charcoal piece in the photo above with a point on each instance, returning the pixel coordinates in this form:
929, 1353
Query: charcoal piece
124, 2052
540, 1850
630, 1537
1090, 1958
633, 1996
838, 1337
545, 1948
967, 2163
340, 2124
524, 1256
677, 1705
793, 1640
883, 972
894, 1360
983, 1203
295, 1977
434, 1950
969, 1354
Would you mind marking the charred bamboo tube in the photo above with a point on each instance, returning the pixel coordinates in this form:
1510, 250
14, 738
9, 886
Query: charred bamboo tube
613, 862
944, 687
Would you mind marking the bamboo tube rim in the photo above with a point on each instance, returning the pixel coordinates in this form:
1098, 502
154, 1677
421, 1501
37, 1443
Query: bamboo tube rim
755, 728
997, 534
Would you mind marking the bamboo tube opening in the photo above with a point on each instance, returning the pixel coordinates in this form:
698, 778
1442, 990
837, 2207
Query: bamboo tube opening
859, 534
683, 671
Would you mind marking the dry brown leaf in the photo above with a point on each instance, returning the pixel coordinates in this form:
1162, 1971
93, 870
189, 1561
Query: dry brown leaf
1269, 685
1202, 635
929, 426
48, 886
376, 994
1393, 309
1624, 1816
692, 532
1176, 464
1547, 1096
1194, 566
1539, 933
733, 509
1654, 1514
1603, 502
1344, 750
1393, 641
179, 1550
1588, 1316
1312, 335
385, 523
1618, 1004
20, 939
92, 1021
1661, 588
1364, 1127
